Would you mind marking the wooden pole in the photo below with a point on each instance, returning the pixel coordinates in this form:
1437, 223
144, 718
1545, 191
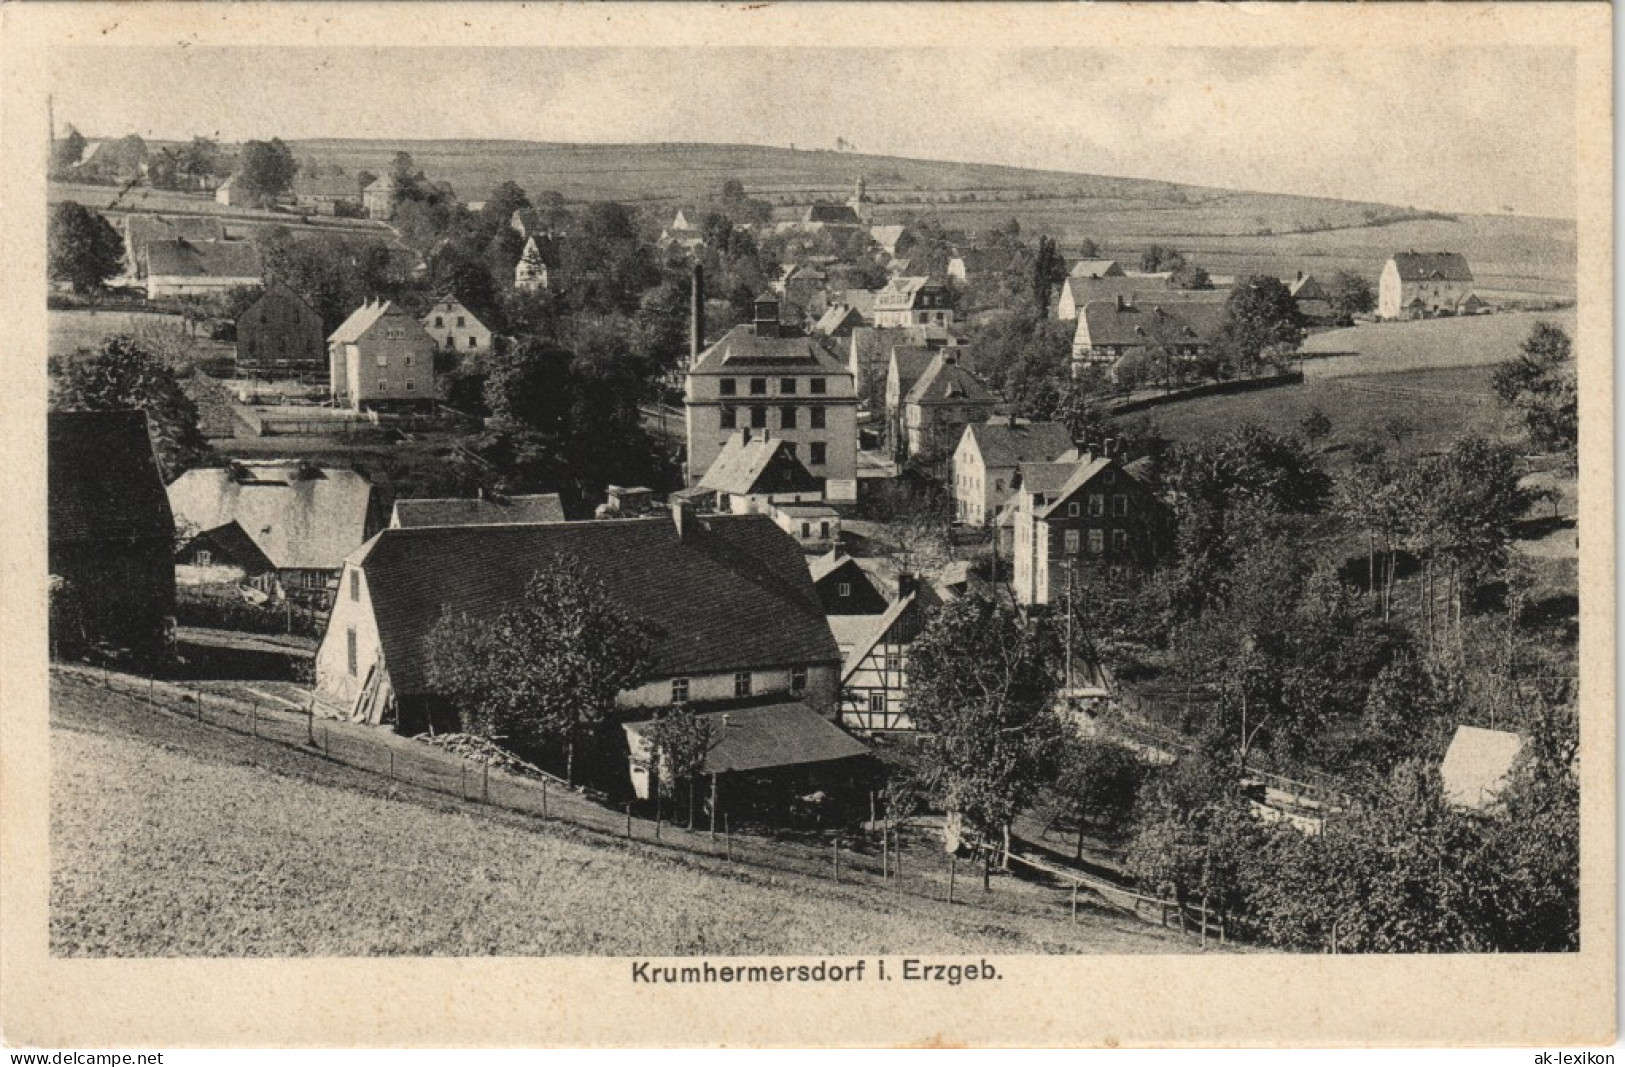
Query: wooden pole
713, 809
327, 745
485, 783
310, 720
885, 869
254, 719
728, 838
462, 779
836, 847
392, 763
1074, 902
544, 798
987, 871
953, 862
872, 819
628, 818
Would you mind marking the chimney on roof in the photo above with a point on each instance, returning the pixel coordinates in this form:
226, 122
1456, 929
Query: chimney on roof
1108, 447
906, 585
683, 517
696, 314
744, 435
767, 315
1300, 276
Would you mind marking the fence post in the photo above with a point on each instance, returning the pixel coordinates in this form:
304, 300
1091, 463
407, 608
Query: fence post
150, 699
728, 838
462, 778
544, 798
885, 870
713, 808
327, 745
836, 846
310, 720
392, 764
629, 819
1074, 902
485, 784
953, 863
254, 719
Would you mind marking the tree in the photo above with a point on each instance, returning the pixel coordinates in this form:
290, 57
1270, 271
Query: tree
1539, 384
1189, 276
679, 740
1088, 249
267, 169
1260, 314
69, 149
1099, 782
1160, 258
1350, 294
85, 250
1049, 271
543, 673
982, 695
122, 376
1315, 425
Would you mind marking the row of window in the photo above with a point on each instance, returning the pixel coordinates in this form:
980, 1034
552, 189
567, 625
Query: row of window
451, 342
744, 684
788, 418
440, 320
758, 386
383, 360
383, 385
1097, 506
1097, 541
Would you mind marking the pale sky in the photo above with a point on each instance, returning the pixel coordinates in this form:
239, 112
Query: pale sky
1468, 129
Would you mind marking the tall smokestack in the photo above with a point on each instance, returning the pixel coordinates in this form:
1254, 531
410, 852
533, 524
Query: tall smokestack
696, 315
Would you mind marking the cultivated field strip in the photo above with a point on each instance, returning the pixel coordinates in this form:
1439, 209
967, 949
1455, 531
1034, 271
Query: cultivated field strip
916, 866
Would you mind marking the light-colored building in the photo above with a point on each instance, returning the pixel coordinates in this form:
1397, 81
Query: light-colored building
756, 471
327, 194
378, 198
231, 192
1478, 766
1101, 516
986, 459
914, 301
381, 358
530, 273
874, 660
1421, 284
728, 596
942, 402
816, 527
455, 329
758, 378
906, 365
1177, 329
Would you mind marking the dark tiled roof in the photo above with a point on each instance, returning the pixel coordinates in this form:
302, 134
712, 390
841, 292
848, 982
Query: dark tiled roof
537, 507
735, 596
1145, 322
945, 381
1003, 445
1428, 266
740, 351
203, 259
102, 478
1095, 268
911, 361
776, 735
832, 215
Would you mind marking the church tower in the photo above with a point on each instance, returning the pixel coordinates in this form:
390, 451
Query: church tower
860, 203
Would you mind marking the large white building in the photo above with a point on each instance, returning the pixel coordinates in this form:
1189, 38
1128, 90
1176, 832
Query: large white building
1417, 284
757, 378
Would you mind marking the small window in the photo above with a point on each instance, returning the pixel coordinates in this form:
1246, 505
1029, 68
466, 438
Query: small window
817, 450
815, 418
758, 387
845, 588
408, 361
383, 385
1097, 504
742, 684
679, 690
439, 320
787, 418
1119, 541
350, 649
816, 385
877, 702
806, 531
787, 386
894, 661
728, 386
383, 360
730, 417
1072, 509
798, 679
1119, 504
473, 342
758, 418
1072, 541
823, 531
355, 585
204, 557
462, 320
998, 485
409, 385
1097, 542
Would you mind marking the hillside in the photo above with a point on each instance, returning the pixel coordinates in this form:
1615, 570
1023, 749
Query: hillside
170, 838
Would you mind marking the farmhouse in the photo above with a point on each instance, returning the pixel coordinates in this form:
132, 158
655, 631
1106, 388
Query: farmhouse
1101, 517
110, 533
378, 198
874, 663
684, 231
942, 402
287, 525
914, 301
381, 358
1422, 284
986, 459
870, 350
122, 161
1109, 330
279, 334
822, 215
893, 240
908, 363
844, 587
455, 329
140, 230
729, 597
182, 267
1314, 302
1095, 268
759, 377
484, 510
754, 472
327, 194
233, 192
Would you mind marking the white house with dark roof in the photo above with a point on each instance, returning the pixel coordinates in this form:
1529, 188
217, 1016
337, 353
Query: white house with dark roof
736, 619
455, 328
382, 358
756, 471
914, 301
759, 376
1175, 328
874, 660
1419, 284
942, 402
986, 459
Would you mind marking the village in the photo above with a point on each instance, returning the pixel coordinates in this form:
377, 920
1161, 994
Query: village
819, 525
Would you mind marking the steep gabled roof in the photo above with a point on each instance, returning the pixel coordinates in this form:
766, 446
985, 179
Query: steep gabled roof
753, 465
945, 381
1082, 474
1095, 268
776, 735
327, 185
1308, 287
425, 511
1004, 445
911, 363
300, 519
887, 237
1432, 266
1045, 478
835, 317
365, 318
832, 215
102, 478
734, 594
179, 257
821, 567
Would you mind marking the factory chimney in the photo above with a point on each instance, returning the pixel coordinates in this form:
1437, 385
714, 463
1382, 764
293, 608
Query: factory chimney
696, 323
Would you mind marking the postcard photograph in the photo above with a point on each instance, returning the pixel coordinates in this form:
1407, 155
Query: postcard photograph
816, 514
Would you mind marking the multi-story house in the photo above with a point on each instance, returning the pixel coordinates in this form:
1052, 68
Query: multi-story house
381, 359
1420, 284
986, 459
942, 402
755, 471
455, 329
1103, 516
280, 334
1174, 329
874, 660
759, 376
729, 598
914, 301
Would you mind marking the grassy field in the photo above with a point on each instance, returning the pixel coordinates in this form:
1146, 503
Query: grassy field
70, 331
169, 839
1388, 347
